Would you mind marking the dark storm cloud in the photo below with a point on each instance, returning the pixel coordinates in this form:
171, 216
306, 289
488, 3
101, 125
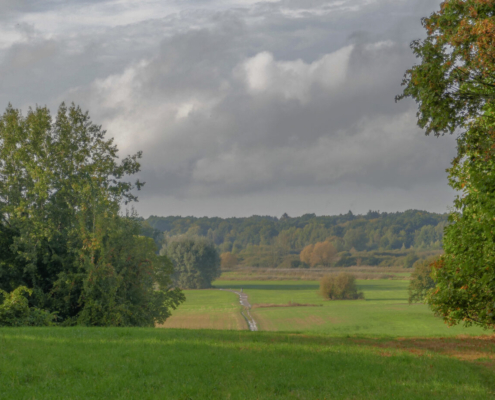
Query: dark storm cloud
294, 96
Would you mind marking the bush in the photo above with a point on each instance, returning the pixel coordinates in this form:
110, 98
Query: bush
339, 287
15, 310
421, 281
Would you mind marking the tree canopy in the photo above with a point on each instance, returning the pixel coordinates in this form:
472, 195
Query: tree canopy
454, 86
61, 232
196, 261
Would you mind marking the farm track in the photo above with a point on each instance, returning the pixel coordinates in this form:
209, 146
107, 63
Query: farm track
243, 299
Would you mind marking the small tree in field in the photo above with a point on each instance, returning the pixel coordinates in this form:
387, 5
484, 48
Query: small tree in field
339, 287
196, 262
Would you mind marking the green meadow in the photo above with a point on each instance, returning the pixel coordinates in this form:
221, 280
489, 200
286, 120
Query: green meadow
377, 348
135, 363
208, 309
384, 311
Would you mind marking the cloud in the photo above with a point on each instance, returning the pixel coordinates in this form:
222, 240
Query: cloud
245, 99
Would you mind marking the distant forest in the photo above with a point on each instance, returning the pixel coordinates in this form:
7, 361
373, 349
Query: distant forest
371, 239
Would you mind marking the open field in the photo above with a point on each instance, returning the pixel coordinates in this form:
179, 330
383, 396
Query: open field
208, 309
384, 312
122, 363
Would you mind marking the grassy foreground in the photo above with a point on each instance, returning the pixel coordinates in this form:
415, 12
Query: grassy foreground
113, 363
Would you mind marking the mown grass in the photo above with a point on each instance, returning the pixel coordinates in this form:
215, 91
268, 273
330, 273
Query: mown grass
121, 363
208, 309
384, 312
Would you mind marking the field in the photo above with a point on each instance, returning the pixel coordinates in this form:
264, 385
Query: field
113, 363
384, 312
377, 348
208, 309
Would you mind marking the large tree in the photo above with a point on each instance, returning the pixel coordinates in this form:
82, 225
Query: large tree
454, 86
196, 261
61, 234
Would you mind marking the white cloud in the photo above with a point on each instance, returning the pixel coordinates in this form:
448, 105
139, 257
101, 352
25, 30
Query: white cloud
294, 79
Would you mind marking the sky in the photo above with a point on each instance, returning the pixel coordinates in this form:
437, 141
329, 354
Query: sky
240, 107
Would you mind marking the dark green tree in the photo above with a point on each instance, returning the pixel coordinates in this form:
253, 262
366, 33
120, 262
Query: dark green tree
61, 188
196, 262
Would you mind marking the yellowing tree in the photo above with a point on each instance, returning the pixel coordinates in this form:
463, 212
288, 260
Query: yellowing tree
305, 255
323, 254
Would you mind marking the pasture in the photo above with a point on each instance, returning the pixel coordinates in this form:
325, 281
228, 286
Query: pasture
208, 309
384, 311
136, 363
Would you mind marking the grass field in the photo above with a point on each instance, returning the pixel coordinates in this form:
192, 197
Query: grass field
208, 309
384, 312
122, 363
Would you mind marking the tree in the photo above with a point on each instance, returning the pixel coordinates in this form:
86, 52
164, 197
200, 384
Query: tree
421, 281
466, 274
324, 253
339, 287
196, 262
306, 253
455, 80
454, 86
61, 188
355, 238
410, 259
228, 260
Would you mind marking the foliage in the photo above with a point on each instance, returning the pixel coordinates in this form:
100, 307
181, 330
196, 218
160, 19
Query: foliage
339, 287
322, 253
410, 259
61, 188
306, 253
268, 241
421, 281
196, 262
455, 88
15, 310
455, 80
228, 260
466, 275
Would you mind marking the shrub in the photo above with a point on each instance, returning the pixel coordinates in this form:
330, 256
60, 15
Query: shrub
410, 259
421, 281
339, 287
15, 310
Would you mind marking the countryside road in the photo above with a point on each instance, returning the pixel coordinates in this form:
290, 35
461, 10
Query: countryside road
243, 299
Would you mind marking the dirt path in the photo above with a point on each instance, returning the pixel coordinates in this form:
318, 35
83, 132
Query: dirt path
243, 299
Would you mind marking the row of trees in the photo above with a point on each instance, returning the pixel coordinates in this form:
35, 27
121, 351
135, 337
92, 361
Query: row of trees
64, 242
373, 231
